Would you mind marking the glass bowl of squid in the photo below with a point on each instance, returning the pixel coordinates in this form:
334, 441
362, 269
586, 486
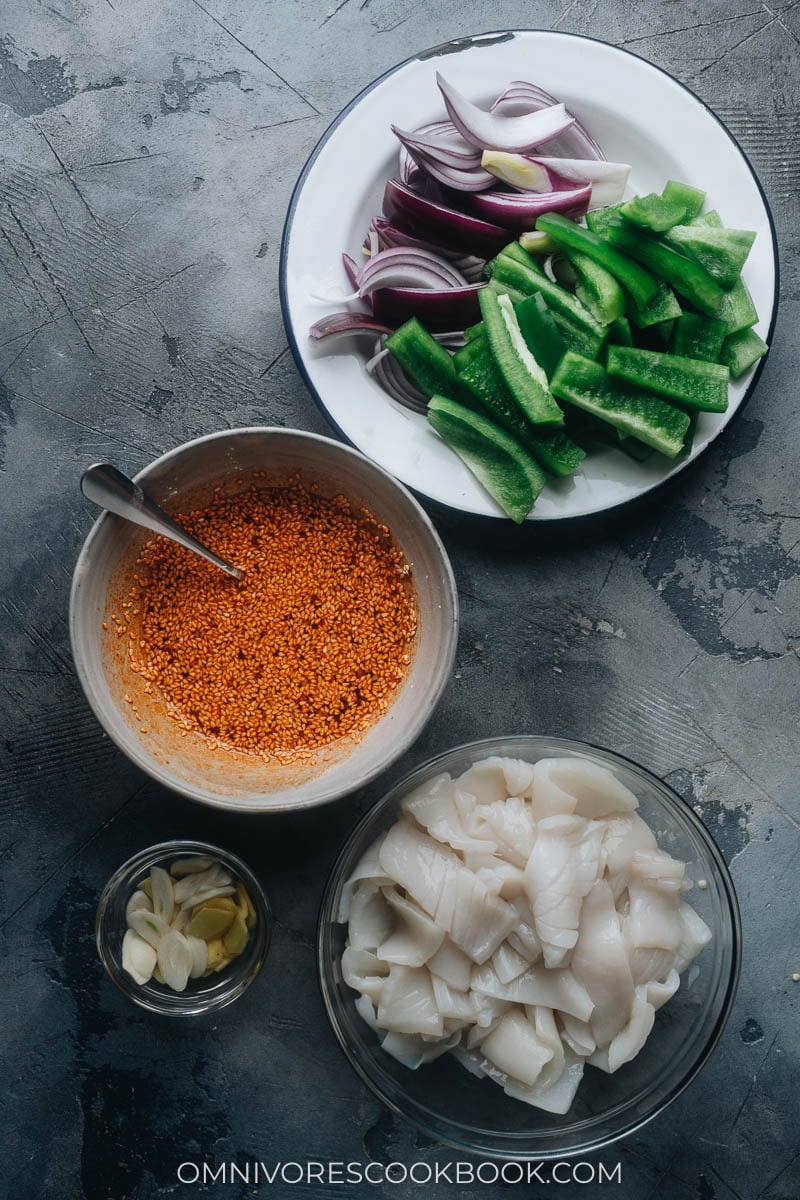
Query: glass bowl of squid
470, 1112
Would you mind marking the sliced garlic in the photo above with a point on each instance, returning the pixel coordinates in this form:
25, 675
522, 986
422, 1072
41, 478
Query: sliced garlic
175, 960
199, 950
209, 894
149, 926
190, 866
163, 895
139, 901
181, 919
138, 957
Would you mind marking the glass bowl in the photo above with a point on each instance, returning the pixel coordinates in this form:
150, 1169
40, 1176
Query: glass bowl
475, 1115
201, 995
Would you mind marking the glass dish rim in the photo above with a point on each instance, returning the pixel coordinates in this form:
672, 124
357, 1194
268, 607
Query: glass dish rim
519, 1151
237, 984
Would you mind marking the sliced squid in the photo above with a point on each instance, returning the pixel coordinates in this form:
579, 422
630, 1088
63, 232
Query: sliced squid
549, 798
630, 1039
694, 936
368, 867
476, 920
370, 917
544, 1022
625, 834
433, 806
653, 921
658, 994
596, 790
600, 962
514, 828
413, 1051
415, 937
515, 1047
486, 781
556, 1097
407, 1003
364, 972
557, 989
577, 1035
648, 964
507, 963
563, 866
452, 965
453, 1005
498, 876
418, 863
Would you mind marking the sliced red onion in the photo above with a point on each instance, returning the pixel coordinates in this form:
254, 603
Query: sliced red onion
491, 131
519, 210
521, 97
442, 311
407, 267
346, 323
386, 371
437, 223
351, 269
460, 179
535, 173
440, 141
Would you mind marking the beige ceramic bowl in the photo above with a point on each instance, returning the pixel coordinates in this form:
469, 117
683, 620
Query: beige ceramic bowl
186, 477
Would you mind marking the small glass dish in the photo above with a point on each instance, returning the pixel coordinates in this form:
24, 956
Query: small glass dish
475, 1115
201, 995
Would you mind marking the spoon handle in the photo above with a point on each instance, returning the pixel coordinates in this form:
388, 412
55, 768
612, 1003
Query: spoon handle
107, 487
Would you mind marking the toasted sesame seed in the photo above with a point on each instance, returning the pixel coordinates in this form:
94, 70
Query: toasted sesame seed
309, 647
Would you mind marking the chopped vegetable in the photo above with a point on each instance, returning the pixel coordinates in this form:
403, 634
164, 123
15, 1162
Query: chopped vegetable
491, 132
584, 383
534, 173
526, 379
519, 210
690, 381
663, 307
506, 470
428, 363
540, 332
696, 336
426, 218
736, 309
569, 236
722, 252
688, 278
677, 203
741, 350
597, 289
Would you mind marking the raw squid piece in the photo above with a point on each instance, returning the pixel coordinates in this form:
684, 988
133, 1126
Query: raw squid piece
562, 868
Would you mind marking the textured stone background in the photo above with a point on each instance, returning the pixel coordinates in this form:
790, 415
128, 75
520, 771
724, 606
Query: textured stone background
148, 152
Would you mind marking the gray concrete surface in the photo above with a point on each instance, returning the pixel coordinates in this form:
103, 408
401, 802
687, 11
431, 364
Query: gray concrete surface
148, 151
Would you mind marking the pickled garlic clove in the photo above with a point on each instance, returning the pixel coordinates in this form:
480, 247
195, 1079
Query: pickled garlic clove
149, 926
139, 901
175, 960
190, 866
163, 893
199, 950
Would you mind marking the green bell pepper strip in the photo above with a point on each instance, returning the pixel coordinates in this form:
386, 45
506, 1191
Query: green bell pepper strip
712, 218
663, 307
551, 448
722, 252
585, 384
509, 474
741, 350
599, 219
474, 331
589, 431
620, 333
664, 330
473, 349
687, 277
576, 337
541, 333
689, 381
696, 336
597, 289
528, 278
525, 378
569, 236
736, 309
503, 289
428, 363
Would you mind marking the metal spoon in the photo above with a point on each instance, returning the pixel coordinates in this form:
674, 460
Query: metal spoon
109, 488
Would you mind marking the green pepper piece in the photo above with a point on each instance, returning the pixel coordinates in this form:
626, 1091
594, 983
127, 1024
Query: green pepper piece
710, 218
465, 354
664, 329
536, 243
597, 288
654, 212
687, 277
526, 379
696, 336
741, 350
474, 331
569, 236
496, 459
589, 431
620, 333
722, 252
736, 309
663, 307
584, 383
690, 381
551, 448
541, 334
528, 278
501, 288
691, 198
576, 337
428, 363
599, 219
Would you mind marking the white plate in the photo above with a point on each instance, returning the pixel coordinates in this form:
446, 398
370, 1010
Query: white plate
637, 113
